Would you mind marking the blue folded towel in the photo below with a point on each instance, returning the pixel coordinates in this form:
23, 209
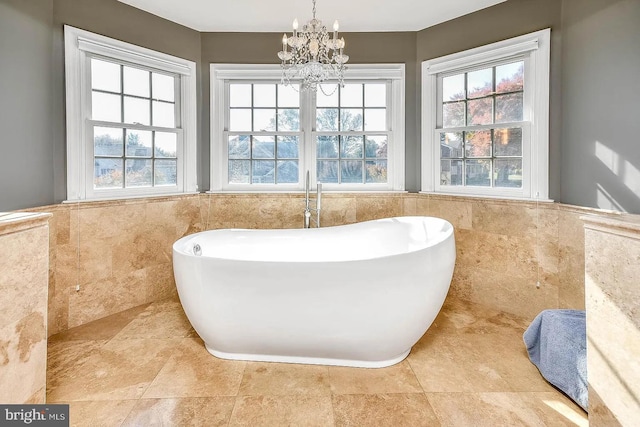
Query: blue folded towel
557, 344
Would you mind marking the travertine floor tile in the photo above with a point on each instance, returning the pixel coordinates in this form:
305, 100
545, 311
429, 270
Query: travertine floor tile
193, 372
63, 360
193, 411
380, 410
118, 370
483, 409
443, 363
284, 379
99, 412
555, 409
393, 379
164, 319
277, 411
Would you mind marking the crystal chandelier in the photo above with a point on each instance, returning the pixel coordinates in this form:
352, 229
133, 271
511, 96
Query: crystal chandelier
315, 56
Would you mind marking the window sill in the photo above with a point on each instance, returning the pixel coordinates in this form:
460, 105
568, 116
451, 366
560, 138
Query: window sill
142, 196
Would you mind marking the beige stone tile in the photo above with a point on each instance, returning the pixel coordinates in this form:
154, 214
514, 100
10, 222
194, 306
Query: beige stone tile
375, 207
102, 329
63, 358
508, 218
458, 213
571, 275
203, 411
278, 379
96, 259
161, 283
392, 410
570, 228
164, 319
58, 309
193, 372
117, 370
99, 412
39, 397
398, 378
256, 211
106, 219
442, 363
338, 210
555, 409
410, 205
483, 409
599, 413
276, 411
102, 298
422, 205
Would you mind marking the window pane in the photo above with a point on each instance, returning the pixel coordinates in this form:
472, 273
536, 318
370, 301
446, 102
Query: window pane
327, 119
166, 144
450, 172
107, 173
510, 77
480, 83
351, 95
509, 108
287, 147
351, 171
451, 145
477, 143
264, 119
376, 171
166, 172
327, 147
453, 88
240, 119
375, 95
507, 142
327, 95
478, 172
139, 173
138, 143
287, 171
106, 107
264, 95
239, 171
107, 141
376, 147
137, 110
327, 171
480, 111
264, 147
239, 147
351, 147
239, 95
136, 82
163, 87
375, 119
289, 95
350, 119
164, 114
263, 172
105, 75
289, 120
508, 172
453, 114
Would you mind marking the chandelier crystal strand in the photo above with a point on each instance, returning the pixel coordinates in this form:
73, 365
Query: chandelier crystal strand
315, 56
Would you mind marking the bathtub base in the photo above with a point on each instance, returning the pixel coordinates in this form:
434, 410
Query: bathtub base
309, 360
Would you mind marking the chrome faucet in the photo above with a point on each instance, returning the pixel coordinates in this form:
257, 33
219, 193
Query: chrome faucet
307, 208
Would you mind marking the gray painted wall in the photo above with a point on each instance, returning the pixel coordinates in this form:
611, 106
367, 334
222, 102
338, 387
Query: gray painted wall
594, 154
601, 104
26, 169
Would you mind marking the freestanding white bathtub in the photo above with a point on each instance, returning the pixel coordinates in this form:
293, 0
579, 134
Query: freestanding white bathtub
353, 295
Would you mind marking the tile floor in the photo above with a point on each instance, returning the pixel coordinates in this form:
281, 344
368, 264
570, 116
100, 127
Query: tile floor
147, 367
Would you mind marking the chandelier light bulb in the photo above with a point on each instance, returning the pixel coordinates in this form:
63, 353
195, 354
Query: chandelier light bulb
295, 24
336, 26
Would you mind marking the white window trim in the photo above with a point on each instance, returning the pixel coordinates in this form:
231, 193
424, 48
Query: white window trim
537, 46
396, 170
80, 43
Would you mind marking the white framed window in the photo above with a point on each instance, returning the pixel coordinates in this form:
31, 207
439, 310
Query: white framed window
266, 135
485, 120
131, 119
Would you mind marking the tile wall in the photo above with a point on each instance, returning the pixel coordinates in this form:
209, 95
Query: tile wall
119, 252
23, 307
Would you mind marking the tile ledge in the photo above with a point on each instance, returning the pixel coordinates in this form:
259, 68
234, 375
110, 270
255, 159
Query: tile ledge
12, 222
625, 225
